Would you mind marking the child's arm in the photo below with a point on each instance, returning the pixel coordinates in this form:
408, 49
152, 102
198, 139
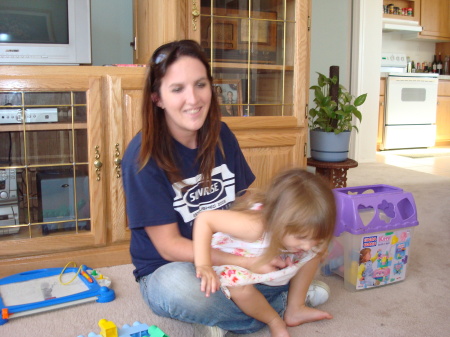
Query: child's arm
237, 224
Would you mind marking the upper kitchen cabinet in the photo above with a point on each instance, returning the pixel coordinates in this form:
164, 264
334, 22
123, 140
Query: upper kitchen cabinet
402, 10
435, 20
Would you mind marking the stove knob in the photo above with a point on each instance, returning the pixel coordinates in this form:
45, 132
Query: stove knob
3, 195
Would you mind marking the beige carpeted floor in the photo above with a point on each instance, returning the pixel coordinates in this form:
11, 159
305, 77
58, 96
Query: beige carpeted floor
418, 306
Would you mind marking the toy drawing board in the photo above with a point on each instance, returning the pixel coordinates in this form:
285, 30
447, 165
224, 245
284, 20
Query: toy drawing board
42, 290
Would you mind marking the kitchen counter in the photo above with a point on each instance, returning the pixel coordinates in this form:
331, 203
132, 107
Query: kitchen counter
441, 77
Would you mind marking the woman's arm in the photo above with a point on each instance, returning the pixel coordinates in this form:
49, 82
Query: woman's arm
174, 247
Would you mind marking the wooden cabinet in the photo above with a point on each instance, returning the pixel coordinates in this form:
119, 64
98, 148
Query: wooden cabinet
98, 112
443, 114
435, 20
157, 22
259, 54
71, 125
401, 4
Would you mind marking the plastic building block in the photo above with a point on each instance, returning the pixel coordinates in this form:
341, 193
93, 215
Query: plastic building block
109, 329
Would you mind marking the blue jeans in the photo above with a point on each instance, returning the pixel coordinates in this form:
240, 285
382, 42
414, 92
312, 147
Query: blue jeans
173, 291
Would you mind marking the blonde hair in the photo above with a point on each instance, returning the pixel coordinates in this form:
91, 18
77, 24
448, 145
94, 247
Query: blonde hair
296, 202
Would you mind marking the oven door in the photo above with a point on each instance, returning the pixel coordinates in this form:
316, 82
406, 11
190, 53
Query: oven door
411, 100
410, 115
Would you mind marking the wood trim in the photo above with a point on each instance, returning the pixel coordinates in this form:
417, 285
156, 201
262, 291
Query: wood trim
249, 123
45, 244
97, 180
93, 257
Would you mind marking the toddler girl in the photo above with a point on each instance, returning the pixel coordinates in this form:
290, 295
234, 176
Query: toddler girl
293, 221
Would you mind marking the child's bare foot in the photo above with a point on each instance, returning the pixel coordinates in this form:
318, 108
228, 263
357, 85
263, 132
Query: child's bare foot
304, 315
278, 328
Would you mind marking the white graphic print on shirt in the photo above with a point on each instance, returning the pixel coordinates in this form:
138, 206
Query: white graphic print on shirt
198, 198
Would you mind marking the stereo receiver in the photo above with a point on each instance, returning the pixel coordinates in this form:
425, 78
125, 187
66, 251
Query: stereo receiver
32, 115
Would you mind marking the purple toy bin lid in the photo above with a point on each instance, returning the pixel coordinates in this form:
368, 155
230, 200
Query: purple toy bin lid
373, 208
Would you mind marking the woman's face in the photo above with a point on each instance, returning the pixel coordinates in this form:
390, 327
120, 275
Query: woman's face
185, 96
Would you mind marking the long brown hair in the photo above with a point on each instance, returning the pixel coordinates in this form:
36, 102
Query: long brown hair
296, 202
157, 141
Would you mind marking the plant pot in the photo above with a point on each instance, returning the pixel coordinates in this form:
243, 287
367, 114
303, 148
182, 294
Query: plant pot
327, 146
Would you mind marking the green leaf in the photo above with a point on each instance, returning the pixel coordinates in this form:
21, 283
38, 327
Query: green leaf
358, 114
360, 100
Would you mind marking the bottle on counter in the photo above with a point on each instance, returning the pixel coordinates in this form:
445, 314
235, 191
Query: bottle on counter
447, 65
439, 65
413, 66
434, 65
418, 68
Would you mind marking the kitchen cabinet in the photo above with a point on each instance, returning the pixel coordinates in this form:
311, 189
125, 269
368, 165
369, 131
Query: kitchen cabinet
435, 20
443, 114
414, 4
97, 113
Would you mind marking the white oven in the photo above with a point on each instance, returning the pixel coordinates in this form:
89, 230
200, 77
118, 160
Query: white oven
410, 110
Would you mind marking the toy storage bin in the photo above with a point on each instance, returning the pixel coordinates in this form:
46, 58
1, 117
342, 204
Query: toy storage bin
374, 223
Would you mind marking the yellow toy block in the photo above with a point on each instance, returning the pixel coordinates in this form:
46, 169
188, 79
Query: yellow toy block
107, 328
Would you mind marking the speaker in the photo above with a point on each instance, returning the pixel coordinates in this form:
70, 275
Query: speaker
59, 197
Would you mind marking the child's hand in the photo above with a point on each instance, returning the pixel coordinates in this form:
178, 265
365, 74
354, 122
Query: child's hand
210, 280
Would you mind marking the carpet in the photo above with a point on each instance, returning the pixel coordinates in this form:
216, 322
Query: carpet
418, 306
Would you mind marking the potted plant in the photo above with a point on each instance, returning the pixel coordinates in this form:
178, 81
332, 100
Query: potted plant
331, 121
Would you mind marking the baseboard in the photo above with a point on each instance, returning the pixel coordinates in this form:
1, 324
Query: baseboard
443, 143
95, 258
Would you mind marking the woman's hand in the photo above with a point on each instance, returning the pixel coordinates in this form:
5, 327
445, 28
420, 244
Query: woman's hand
210, 280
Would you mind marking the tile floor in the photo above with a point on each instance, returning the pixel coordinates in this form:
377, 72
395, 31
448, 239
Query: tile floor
439, 165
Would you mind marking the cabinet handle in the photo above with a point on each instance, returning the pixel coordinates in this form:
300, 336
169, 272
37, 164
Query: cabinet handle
195, 14
117, 161
97, 163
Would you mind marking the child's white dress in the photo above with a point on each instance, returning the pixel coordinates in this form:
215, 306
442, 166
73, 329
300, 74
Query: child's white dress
231, 276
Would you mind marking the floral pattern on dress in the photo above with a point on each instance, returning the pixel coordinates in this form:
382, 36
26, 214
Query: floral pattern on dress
231, 276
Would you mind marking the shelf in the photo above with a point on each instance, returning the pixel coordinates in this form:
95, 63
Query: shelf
245, 66
414, 4
44, 126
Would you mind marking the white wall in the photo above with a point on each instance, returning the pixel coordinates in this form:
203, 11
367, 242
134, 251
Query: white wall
330, 39
418, 51
367, 38
112, 31
348, 33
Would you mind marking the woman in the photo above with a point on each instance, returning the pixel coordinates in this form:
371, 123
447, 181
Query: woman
183, 161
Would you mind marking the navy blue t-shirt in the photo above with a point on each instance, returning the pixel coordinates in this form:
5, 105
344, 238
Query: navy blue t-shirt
151, 200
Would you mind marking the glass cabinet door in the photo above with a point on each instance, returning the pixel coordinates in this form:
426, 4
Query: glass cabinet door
44, 185
250, 44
